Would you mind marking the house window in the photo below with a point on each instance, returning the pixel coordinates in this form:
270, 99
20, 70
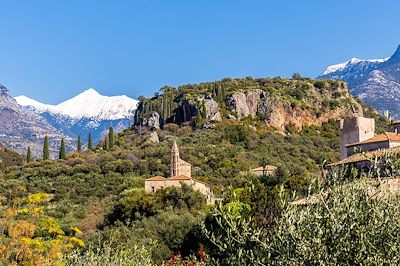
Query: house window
152, 189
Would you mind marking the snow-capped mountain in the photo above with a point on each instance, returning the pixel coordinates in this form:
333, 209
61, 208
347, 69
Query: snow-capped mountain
375, 81
87, 112
88, 104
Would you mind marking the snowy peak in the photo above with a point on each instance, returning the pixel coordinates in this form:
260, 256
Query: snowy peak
26, 101
343, 66
88, 104
375, 81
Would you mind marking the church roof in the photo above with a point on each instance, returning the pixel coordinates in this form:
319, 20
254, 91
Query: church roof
179, 177
387, 136
156, 178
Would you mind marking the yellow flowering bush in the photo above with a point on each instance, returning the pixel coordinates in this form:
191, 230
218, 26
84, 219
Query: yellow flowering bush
29, 237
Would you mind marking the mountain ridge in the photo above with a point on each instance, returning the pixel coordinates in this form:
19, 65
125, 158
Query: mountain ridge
87, 104
375, 81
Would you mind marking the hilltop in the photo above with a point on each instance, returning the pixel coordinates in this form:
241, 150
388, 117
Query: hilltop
278, 103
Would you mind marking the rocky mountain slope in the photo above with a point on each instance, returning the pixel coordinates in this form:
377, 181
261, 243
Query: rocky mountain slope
21, 127
87, 112
375, 81
279, 103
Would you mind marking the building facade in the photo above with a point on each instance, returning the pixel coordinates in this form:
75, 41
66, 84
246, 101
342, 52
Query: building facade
181, 173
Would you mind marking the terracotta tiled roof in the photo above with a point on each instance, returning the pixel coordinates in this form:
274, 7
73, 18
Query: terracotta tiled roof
267, 168
179, 177
364, 156
387, 136
376, 188
156, 178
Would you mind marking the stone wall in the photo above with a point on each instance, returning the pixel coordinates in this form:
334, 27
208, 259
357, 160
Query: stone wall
353, 130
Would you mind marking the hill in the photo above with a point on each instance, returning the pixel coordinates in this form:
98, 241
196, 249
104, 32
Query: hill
279, 103
9, 158
101, 190
374, 81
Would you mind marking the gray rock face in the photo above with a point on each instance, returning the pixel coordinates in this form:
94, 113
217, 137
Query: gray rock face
21, 127
209, 126
152, 121
212, 110
246, 103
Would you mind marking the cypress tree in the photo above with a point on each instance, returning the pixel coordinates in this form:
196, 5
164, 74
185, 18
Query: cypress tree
105, 144
90, 144
111, 138
79, 144
62, 154
28, 155
46, 153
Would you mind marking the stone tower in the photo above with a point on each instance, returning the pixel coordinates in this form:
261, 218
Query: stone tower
174, 159
353, 130
179, 166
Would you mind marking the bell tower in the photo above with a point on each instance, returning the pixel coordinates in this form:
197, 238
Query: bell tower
174, 160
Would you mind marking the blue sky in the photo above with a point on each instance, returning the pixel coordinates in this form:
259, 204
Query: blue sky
52, 50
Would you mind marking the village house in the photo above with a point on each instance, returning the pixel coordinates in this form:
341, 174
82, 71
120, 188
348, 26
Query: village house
263, 170
359, 144
181, 173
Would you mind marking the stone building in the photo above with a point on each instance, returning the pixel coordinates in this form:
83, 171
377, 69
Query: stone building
181, 173
264, 171
354, 130
359, 145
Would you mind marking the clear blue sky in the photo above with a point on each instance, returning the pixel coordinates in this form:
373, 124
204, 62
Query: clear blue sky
52, 50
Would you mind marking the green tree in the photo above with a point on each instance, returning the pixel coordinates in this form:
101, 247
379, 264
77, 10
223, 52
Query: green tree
29, 155
90, 144
62, 154
79, 144
111, 138
46, 153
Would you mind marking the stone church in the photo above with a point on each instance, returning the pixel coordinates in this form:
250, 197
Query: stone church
181, 172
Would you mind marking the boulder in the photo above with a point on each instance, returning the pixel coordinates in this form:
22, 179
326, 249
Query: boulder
231, 117
154, 137
209, 126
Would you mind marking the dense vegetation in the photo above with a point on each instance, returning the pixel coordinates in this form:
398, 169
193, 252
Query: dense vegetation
100, 191
9, 158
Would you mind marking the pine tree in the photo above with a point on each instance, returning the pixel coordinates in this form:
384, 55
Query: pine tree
111, 138
46, 153
79, 144
28, 155
62, 154
90, 144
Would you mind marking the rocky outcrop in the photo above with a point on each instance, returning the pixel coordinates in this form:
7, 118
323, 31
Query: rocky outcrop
279, 114
212, 110
152, 121
246, 103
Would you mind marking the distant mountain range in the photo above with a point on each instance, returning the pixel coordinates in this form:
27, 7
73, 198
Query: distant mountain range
374, 81
26, 121
21, 128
